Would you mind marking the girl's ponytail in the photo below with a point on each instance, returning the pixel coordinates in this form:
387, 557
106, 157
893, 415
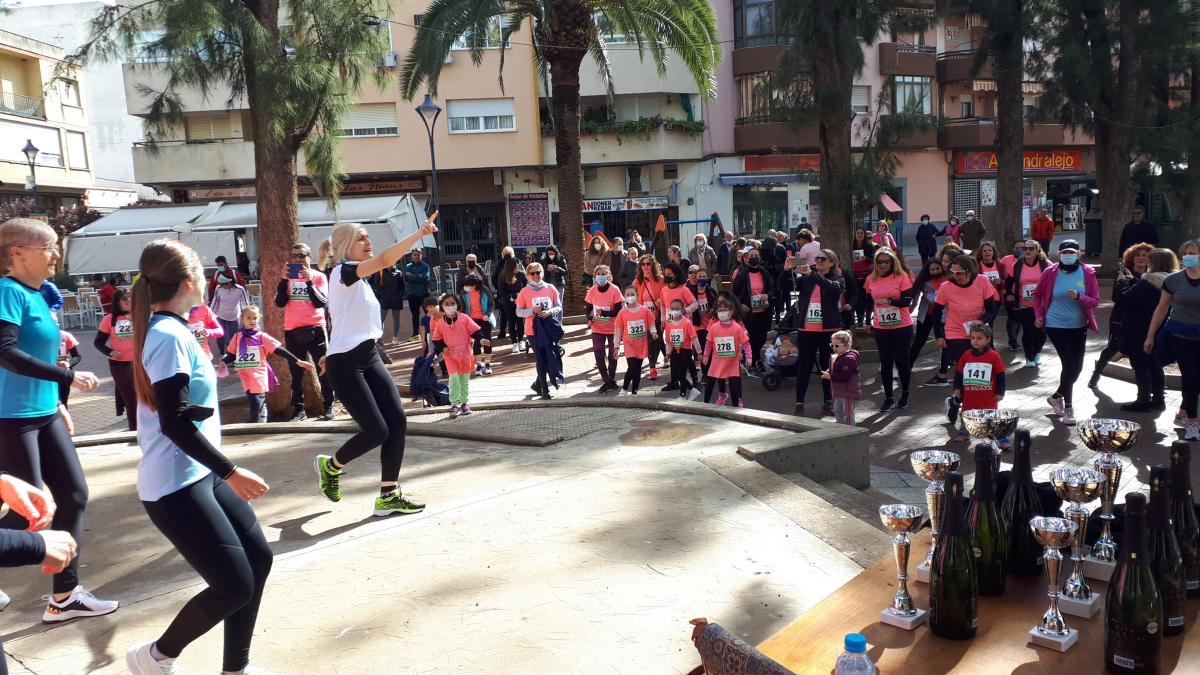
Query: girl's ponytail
164, 265
139, 309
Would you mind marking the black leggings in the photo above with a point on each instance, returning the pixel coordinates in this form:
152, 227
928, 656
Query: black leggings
955, 349
1111, 349
814, 348
414, 308
39, 451
735, 389
922, 332
633, 375
1148, 374
510, 320
1187, 355
485, 333
606, 356
757, 326
656, 347
1033, 339
1070, 344
894, 345
682, 367
1012, 326
122, 374
862, 311
217, 534
369, 393
307, 341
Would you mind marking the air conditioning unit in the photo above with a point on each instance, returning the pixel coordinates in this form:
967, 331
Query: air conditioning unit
390, 60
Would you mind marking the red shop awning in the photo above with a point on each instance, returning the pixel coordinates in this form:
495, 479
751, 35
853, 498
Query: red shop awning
889, 204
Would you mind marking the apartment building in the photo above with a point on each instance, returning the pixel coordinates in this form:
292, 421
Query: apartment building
49, 116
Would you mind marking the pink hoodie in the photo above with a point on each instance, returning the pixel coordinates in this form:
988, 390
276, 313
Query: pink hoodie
1089, 299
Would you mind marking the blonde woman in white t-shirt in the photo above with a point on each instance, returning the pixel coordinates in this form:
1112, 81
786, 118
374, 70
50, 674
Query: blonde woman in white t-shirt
360, 380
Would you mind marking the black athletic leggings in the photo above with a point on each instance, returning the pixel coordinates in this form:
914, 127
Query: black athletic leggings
122, 374
922, 332
735, 388
510, 320
1033, 339
758, 324
485, 333
1070, 344
656, 347
39, 451
1148, 374
217, 534
682, 366
414, 307
894, 346
1187, 355
633, 375
814, 348
1012, 326
956, 348
365, 387
307, 341
606, 356
1111, 349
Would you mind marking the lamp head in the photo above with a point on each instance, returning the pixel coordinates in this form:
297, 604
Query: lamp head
429, 111
30, 150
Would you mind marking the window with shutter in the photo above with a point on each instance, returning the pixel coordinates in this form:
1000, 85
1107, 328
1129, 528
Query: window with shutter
860, 99
484, 115
370, 119
203, 127
76, 150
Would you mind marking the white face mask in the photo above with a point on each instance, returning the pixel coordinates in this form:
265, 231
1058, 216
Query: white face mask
725, 316
596, 246
675, 314
450, 311
631, 300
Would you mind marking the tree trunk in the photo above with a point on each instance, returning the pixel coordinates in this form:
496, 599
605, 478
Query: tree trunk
1191, 213
834, 126
1009, 61
1116, 190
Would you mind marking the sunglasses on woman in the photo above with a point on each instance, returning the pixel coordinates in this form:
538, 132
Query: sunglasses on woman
821, 259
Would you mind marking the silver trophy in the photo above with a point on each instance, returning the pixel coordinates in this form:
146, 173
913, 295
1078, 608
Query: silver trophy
933, 465
1107, 436
991, 426
900, 520
1054, 534
1078, 487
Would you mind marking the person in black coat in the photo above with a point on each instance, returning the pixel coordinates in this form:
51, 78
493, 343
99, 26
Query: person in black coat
814, 324
927, 234
1140, 299
754, 287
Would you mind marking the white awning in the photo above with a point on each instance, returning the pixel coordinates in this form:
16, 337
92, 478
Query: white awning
143, 219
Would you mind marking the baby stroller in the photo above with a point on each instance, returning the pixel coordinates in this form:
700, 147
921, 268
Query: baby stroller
779, 358
424, 385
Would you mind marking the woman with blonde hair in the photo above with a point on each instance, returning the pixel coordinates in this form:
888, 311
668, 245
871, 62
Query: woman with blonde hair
1178, 313
35, 428
195, 495
356, 371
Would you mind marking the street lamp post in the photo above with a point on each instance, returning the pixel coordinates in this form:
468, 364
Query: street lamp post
429, 111
31, 152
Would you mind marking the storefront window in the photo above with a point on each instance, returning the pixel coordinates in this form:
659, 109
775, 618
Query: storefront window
758, 208
470, 228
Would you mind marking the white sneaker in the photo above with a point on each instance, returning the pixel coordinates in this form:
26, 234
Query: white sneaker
487, 369
516, 348
140, 661
1068, 417
253, 670
1192, 432
694, 394
4, 600
80, 603
1056, 405
622, 393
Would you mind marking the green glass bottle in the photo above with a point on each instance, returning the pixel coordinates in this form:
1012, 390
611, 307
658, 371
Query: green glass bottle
1133, 611
953, 587
1165, 559
988, 535
1183, 516
1019, 505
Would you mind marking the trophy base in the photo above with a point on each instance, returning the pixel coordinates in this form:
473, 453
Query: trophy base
1098, 569
904, 622
923, 573
1058, 644
1081, 608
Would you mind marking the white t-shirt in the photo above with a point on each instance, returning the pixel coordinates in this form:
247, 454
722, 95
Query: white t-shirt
353, 309
172, 349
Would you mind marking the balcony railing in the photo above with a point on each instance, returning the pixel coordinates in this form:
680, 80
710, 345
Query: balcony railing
22, 106
960, 65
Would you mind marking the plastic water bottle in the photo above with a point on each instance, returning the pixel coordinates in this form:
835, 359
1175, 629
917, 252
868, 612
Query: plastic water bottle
854, 661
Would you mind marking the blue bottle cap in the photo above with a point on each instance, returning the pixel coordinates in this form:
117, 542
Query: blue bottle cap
856, 643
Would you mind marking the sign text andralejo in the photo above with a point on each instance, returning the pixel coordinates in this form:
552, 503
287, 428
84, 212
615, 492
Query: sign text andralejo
1065, 161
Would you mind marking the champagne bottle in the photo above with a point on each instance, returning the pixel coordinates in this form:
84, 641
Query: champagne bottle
953, 588
1024, 553
1183, 516
1133, 612
1165, 559
988, 535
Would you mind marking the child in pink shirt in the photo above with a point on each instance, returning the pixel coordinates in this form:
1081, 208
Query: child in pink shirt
681, 344
727, 339
634, 328
204, 325
248, 351
114, 339
453, 337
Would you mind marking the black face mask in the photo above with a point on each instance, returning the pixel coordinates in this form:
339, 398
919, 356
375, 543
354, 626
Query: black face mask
471, 264
669, 280
753, 262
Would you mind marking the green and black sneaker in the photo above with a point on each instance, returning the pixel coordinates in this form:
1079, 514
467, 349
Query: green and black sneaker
328, 478
393, 502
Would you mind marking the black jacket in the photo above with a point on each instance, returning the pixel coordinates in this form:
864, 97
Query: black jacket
1135, 234
725, 257
1139, 299
741, 285
554, 278
832, 286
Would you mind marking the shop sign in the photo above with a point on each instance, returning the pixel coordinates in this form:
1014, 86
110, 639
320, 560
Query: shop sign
782, 163
529, 219
408, 185
987, 161
627, 204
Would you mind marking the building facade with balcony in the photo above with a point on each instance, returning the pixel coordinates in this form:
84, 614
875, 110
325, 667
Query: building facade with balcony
50, 115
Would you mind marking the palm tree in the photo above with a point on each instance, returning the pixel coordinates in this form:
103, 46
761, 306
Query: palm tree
564, 32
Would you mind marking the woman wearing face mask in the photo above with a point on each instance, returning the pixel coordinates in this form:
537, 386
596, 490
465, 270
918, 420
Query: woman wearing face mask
753, 288
1178, 312
1134, 263
597, 254
967, 298
540, 300
1140, 297
1011, 326
863, 251
815, 315
927, 283
954, 230
988, 263
674, 289
1064, 301
555, 269
1018, 295
508, 285
702, 255
891, 288
635, 329
603, 303
927, 234
649, 285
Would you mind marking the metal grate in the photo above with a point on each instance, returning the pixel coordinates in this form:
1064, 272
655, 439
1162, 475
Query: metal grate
966, 197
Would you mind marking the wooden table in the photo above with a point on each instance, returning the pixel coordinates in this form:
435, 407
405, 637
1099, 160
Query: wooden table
812, 643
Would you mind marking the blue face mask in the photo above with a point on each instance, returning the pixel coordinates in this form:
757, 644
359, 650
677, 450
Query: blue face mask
602, 280
1068, 259
1190, 261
